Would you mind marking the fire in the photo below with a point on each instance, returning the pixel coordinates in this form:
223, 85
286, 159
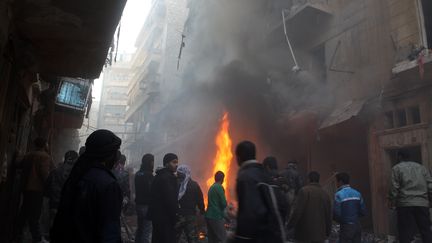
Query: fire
224, 156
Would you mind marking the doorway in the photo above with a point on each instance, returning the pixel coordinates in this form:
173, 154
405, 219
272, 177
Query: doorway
414, 153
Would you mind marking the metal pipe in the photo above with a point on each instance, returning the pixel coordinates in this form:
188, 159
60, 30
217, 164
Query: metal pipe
296, 67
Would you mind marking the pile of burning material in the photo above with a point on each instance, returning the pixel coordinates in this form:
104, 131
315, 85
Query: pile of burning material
230, 224
222, 162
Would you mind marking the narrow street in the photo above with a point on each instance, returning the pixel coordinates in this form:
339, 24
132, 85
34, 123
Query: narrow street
215, 121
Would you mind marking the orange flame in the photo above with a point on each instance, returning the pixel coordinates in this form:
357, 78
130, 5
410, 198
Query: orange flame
224, 155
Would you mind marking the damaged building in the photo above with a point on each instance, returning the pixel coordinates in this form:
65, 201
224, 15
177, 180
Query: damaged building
336, 85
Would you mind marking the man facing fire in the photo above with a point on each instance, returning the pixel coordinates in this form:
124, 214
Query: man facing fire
215, 210
190, 199
258, 218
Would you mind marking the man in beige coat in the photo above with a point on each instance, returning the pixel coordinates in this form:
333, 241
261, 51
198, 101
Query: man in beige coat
311, 216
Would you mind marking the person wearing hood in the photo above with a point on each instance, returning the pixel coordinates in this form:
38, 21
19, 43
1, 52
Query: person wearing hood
90, 205
164, 203
190, 200
143, 181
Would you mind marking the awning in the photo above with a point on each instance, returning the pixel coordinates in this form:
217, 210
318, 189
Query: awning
344, 112
67, 38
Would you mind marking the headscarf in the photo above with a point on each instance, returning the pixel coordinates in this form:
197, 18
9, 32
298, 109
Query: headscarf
185, 170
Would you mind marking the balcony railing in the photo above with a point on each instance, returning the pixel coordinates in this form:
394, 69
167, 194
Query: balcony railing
422, 58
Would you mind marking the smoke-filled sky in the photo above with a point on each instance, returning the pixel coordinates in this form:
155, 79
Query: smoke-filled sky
134, 16
229, 65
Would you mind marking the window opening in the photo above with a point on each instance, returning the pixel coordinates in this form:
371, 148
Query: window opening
318, 64
414, 113
427, 18
414, 153
389, 120
401, 118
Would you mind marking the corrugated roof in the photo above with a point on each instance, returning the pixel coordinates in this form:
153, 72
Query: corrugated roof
343, 113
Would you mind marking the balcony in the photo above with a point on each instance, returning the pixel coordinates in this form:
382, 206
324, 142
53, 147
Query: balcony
149, 84
304, 9
304, 20
411, 65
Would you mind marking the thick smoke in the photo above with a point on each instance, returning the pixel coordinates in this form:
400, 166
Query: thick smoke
235, 61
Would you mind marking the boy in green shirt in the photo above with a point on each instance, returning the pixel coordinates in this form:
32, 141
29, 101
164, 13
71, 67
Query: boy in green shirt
215, 210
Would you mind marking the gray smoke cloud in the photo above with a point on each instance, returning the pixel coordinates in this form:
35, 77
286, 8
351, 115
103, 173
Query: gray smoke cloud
234, 62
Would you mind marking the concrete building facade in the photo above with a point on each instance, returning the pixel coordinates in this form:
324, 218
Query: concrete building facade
154, 66
114, 97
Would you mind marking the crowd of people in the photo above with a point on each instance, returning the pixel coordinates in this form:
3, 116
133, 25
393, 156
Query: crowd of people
89, 192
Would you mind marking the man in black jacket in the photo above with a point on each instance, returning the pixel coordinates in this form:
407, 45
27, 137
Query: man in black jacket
295, 180
190, 199
257, 220
143, 180
164, 205
280, 186
90, 204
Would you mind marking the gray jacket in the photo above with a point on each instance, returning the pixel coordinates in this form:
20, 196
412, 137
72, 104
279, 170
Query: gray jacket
411, 185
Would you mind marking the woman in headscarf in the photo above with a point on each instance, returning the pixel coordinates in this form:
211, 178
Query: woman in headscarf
91, 200
191, 201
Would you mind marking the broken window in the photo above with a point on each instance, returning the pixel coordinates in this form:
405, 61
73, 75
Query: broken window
427, 19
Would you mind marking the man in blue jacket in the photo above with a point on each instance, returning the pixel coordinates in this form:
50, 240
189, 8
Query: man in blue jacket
349, 206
